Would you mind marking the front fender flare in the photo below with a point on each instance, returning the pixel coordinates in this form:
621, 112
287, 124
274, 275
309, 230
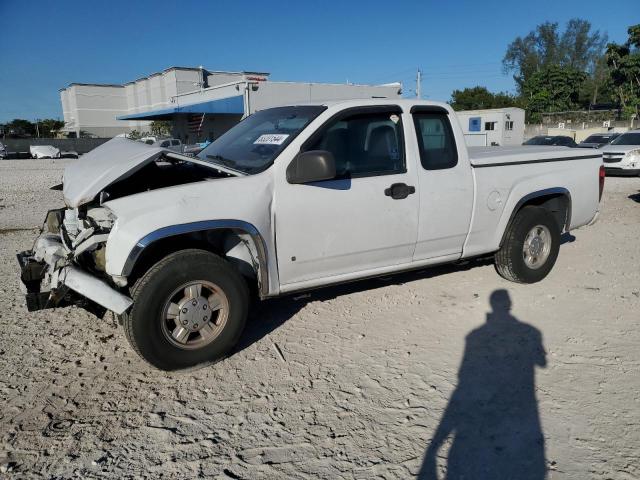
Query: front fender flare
173, 230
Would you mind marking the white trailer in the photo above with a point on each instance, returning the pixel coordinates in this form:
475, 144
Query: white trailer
493, 127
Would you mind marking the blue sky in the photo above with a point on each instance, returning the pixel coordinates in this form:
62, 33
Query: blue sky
47, 45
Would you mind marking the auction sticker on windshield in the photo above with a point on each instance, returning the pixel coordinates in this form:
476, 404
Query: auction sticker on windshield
271, 139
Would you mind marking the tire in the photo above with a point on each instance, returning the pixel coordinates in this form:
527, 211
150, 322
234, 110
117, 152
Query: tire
511, 261
153, 325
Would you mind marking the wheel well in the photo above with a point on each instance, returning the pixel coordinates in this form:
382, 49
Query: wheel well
557, 202
220, 241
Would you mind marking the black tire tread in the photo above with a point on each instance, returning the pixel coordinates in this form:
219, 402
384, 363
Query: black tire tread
504, 257
139, 285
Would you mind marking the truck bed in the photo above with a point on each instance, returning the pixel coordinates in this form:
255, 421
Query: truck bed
496, 156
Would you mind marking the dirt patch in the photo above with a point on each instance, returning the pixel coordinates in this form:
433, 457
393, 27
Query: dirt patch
351, 382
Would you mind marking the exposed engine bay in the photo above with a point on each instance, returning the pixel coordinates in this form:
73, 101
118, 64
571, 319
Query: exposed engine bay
70, 249
166, 171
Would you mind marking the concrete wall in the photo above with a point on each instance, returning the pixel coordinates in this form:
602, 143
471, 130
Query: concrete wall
187, 80
93, 108
78, 145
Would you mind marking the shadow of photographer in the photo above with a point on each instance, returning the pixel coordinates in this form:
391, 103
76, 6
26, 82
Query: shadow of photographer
492, 416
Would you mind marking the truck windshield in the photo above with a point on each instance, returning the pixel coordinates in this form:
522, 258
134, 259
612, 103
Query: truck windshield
254, 143
627, 139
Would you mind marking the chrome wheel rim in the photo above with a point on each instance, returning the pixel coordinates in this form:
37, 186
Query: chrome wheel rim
194, 314
536, 247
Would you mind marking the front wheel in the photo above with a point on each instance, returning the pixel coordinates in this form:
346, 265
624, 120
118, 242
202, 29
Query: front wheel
530, 248
189, 309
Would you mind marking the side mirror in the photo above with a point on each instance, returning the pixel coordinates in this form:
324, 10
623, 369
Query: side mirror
312, 166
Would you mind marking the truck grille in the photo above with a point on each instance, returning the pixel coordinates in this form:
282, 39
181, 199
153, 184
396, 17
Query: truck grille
612, 157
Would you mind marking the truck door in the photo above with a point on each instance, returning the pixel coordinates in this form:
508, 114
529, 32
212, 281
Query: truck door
366, 218
446, 185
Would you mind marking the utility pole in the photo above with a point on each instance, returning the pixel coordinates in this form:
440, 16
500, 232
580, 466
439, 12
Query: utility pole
419, 84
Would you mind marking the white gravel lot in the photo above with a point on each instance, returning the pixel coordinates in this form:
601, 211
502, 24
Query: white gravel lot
349, 382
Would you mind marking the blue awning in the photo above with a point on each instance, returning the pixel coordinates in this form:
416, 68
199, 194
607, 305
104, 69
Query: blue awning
232, 105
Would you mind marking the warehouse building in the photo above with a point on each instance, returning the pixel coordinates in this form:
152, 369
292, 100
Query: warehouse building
200, 104
498, 126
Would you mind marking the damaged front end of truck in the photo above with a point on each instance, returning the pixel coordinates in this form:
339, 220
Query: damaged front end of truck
67, 263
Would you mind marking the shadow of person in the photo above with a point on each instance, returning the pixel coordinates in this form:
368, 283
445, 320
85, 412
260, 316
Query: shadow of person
492, 415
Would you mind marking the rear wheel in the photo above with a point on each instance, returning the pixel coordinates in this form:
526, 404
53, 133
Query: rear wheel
531, 246
189, 309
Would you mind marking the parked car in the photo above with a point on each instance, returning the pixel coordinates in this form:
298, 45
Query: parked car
195, 148
552, 140
171, 143
622, 156
3, 151
44, 151
175, 245
149, 140
598, 140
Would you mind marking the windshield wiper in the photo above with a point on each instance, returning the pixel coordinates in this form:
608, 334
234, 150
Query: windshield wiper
225, 161
221, 159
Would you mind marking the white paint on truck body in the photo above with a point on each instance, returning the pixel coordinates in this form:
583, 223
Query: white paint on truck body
342, 229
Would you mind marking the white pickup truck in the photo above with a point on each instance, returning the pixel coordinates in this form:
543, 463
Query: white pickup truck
293, 198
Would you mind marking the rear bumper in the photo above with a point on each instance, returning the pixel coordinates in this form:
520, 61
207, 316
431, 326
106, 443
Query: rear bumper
623, 172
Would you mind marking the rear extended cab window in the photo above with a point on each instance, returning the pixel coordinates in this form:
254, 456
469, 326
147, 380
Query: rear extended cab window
436, 143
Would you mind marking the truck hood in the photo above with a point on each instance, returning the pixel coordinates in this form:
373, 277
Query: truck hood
111, 162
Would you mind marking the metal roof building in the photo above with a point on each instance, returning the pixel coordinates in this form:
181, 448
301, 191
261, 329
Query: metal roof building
201, 104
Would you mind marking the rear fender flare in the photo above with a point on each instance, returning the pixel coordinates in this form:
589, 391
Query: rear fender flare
547, 192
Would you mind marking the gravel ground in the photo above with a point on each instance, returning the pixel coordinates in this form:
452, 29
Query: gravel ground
349, 382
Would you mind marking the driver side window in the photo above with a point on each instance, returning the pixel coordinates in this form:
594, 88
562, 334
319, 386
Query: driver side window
364, 144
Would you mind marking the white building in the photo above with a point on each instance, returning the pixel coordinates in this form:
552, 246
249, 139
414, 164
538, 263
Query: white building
201, 104
497, 126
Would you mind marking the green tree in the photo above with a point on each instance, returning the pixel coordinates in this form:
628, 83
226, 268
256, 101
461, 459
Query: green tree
47, 126
552, 89
160, 127
624, 67
20, 127
577, 47
480, 98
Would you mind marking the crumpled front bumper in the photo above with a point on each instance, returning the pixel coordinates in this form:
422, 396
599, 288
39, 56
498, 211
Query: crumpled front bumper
50, 280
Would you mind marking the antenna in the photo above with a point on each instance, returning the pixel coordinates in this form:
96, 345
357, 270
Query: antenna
419, 84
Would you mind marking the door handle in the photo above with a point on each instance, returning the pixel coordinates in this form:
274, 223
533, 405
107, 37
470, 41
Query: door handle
398, 191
